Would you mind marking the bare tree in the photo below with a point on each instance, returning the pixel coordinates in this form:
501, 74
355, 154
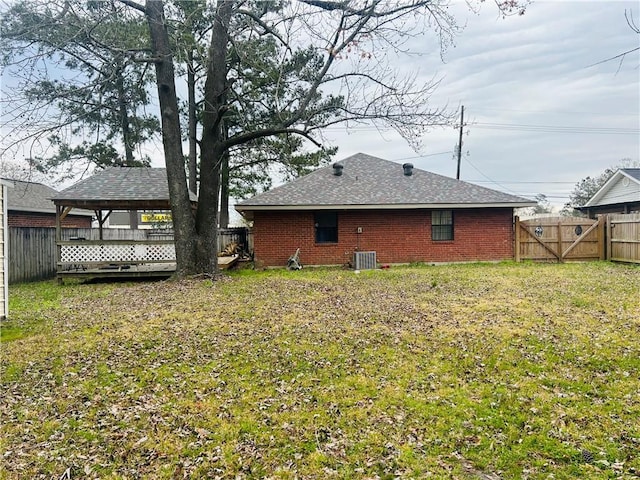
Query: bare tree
22, 171
632, 23
324, 63
370, 90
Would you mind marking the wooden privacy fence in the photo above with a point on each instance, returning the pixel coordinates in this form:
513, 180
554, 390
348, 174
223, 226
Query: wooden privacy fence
560, 239
623, 237
614, 237
32, 254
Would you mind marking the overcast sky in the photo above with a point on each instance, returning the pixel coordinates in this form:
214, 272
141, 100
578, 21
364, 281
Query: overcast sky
539, 116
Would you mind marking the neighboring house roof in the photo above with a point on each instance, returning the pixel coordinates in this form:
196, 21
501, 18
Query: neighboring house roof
139, 186
33, 197
369, 182
622, 187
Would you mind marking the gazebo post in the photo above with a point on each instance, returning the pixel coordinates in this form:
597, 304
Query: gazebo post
133, 219
58, 238
59, 209
61, 213
100, 222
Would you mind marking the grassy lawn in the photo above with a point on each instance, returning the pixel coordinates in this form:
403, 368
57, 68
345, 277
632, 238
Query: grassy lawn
466, 371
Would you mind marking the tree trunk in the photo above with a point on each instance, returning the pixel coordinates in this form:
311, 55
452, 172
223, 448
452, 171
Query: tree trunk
193, 153
124, 114
211, 147
183, 221
224, 191
123, 109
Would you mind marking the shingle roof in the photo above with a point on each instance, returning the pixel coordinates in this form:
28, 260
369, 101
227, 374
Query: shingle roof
632, 172
121, 184
120, 188
370, 182
33, 197
29, 196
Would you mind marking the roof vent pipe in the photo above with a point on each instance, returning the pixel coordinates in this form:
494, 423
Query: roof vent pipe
408, 169
337, 169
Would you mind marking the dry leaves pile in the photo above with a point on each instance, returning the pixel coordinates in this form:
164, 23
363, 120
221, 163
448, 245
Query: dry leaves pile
474, 371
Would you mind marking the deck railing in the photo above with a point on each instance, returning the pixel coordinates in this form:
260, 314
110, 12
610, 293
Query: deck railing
92, 253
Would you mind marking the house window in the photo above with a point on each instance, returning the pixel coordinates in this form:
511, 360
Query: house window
442, 225
326, 224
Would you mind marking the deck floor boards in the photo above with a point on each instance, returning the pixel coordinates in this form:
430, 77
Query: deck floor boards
134, 270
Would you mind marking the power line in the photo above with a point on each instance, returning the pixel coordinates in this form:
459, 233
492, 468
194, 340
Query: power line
555, 195
557, 128
529, 195
509, 182
424, 156
550, 112
490, 180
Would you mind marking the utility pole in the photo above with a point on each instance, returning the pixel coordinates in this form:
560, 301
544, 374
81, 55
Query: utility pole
460, 141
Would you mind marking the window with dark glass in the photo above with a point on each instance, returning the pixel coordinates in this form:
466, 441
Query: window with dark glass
442, 225
326, 224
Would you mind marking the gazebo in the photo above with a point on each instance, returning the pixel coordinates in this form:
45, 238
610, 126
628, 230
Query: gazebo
115, 188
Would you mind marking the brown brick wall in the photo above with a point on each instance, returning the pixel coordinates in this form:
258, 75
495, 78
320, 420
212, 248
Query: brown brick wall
397, 236
32, 219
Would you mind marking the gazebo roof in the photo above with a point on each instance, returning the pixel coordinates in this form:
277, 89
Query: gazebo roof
118, 188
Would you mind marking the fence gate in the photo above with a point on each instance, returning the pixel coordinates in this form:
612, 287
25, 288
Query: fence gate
560, 239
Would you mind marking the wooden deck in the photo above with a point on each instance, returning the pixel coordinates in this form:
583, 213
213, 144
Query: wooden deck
124, 271
147, 270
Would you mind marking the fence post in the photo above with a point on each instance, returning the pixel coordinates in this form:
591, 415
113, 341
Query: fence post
560, 252
517, 239
609, 231
601, 237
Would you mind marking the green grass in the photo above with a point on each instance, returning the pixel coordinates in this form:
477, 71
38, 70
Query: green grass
31, 302
512, 370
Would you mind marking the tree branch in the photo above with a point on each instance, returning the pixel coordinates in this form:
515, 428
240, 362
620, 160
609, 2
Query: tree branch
132, 4
266, 27
248, 137
621, 56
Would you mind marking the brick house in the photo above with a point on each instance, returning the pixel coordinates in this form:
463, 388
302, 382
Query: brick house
29, 204
364, 203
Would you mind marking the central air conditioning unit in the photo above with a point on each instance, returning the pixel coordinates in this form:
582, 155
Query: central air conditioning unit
364, 260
